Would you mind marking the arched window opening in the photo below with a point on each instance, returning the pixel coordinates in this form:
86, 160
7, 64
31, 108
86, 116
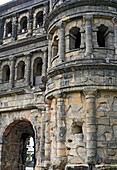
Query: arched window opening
20, 70
9, 29
55, 46
37, 71
102, 35
6, 73
39, 19
74, 38
23, 24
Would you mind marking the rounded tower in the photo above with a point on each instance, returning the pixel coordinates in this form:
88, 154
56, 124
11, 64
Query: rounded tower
81, 90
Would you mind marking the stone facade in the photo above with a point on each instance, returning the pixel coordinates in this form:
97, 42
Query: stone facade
58, 84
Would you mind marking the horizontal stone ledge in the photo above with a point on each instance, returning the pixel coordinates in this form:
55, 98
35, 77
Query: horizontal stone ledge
106, 167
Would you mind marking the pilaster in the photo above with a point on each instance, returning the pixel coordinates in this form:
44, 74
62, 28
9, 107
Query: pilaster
61, 131
47, 135
91, 144
88, 34
61, 42
28, 68
49, 50
14, 27
30, 29
12, 70
95, 30
44, 67
82, 31
115, 35
1, 31
51, 5
42, 140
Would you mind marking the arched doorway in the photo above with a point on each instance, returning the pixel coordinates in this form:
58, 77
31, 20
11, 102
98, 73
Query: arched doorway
15, 142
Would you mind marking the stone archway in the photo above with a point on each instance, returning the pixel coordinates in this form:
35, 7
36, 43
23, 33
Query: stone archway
14, 145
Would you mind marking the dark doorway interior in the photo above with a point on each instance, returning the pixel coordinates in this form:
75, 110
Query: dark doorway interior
14, 150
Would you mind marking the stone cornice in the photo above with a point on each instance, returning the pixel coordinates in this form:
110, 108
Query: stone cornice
19, 5
82, 65
73, 4
27, 41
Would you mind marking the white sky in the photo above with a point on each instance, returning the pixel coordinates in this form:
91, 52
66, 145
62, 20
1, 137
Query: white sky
4, 1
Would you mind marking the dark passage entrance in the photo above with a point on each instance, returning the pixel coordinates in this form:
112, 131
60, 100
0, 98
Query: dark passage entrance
14, 150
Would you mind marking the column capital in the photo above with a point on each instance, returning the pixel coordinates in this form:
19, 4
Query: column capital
49, 36
44, 49
90, 93
28, 54
88, 17
114, 20
61, 24
61, 95
12, 58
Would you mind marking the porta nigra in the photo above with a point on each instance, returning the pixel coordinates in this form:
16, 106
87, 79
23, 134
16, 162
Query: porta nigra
58, 84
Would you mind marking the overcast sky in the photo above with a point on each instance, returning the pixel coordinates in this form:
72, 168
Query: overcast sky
4, 1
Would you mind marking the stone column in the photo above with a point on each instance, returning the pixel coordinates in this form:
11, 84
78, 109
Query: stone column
12, 70
115, 36
42, 140
14, 25
47, 134
49, 50
91, 136
28, 68
61, 42
30, 29
1, 30
61, 131
44, 66
88, 34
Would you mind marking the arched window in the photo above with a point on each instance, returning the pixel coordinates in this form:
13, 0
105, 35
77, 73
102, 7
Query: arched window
23, 24
102, 35
39, 19
55, 46
74, 38
9, 29
6, 73
37, 71
20, 70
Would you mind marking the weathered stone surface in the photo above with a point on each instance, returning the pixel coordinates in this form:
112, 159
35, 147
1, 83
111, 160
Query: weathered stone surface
58, 84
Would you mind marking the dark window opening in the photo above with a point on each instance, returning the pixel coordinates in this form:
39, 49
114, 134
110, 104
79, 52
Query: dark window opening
101, 35
6, 73
55, 46
20, 70
74, 38
37, 71
9, 29
39, 19
23, 24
